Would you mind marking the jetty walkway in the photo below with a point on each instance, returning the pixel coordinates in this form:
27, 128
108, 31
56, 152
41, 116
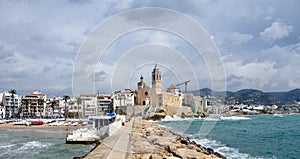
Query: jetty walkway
115, 146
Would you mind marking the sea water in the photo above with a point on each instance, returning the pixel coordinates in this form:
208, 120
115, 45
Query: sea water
38, 144
257, 136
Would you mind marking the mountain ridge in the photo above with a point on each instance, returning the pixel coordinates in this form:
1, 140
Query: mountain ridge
252, 96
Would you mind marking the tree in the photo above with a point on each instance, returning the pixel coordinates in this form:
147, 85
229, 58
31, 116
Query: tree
53, 106
25, 107
41, 102
78, 101
13, 92
66, 98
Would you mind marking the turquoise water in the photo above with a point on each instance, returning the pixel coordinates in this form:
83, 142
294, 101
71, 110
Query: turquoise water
39, 144
259, 136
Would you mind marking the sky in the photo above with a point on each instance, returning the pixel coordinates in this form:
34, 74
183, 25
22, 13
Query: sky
42, 42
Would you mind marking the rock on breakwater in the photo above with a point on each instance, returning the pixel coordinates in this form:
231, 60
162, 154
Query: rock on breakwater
149, 141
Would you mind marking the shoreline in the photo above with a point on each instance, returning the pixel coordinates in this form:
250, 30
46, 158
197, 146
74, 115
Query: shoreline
44, 126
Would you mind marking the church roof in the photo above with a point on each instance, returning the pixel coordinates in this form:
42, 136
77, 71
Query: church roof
172, 86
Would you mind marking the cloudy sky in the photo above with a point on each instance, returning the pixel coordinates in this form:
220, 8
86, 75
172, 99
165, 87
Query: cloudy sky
258, 43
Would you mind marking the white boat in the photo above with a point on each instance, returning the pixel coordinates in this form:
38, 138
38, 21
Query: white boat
74, 124
83, 136
67, 123
56, 124
22, 122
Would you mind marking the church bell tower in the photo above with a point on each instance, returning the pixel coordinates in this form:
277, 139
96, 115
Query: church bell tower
156, 79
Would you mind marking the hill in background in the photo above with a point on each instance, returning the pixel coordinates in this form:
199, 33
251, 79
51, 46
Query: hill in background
252, 96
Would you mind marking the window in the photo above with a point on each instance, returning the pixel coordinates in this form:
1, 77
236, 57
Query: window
146, 93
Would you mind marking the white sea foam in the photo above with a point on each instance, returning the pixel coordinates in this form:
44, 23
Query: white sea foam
211, 119
228, 152
6, 146
32, 145
234, 118
176, 118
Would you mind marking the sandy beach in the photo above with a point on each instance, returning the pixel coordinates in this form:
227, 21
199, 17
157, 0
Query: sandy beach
44, 126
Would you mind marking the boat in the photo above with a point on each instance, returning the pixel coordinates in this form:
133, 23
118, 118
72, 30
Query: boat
74, 123
83, 136
22, 122
56, 124
67, 123
37, 122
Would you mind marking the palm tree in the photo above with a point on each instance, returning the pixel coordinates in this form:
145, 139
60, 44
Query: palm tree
53, 106
41, 102
13, 92
1, 105
25, 107
78, 101
66, 98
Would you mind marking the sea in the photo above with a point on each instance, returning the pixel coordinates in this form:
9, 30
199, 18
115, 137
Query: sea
236, 137
239, 137
38, 144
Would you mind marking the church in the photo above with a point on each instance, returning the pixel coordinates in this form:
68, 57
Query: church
155, 95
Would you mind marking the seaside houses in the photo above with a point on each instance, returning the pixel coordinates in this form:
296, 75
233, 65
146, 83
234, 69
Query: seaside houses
104, 104
89, 103
123, 99
10, 104
197, 103
33, 105
95, 104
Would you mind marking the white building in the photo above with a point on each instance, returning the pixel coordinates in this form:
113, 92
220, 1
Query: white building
10, 104
104, 102
197, 103
123, 98
34, 104
89, 104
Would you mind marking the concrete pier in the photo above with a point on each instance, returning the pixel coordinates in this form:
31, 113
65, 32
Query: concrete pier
115, 146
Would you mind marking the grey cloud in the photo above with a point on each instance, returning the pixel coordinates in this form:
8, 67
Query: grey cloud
276, 31
99, 76
5, 53
41, 40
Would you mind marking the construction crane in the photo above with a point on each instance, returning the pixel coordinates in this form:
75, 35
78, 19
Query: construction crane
185, 84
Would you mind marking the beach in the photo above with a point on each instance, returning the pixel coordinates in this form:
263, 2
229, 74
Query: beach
44, 126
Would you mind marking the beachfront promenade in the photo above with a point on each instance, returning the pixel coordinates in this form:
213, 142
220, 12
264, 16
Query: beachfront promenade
115, 146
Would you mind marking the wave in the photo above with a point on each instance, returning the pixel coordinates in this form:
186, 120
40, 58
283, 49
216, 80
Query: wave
176, 118
234, 118
33, 145
211, 119
6, 146
228, 152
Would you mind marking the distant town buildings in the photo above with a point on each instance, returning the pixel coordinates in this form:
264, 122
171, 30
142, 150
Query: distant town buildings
37, 105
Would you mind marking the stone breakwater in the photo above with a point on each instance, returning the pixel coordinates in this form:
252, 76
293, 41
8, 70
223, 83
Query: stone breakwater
150, 141
140, 139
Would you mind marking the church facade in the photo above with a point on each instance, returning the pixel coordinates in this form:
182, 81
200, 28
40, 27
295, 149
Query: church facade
155, 95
